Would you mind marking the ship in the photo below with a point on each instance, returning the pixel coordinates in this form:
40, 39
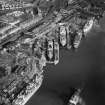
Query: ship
63, 35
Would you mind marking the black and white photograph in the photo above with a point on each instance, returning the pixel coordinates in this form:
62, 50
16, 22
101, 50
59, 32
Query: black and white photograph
52, 52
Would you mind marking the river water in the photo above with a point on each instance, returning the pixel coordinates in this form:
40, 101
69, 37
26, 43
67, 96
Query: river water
85, 67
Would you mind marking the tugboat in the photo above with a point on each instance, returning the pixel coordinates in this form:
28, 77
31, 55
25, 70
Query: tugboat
75, 99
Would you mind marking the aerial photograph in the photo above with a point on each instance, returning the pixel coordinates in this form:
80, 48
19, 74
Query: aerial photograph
52, 52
